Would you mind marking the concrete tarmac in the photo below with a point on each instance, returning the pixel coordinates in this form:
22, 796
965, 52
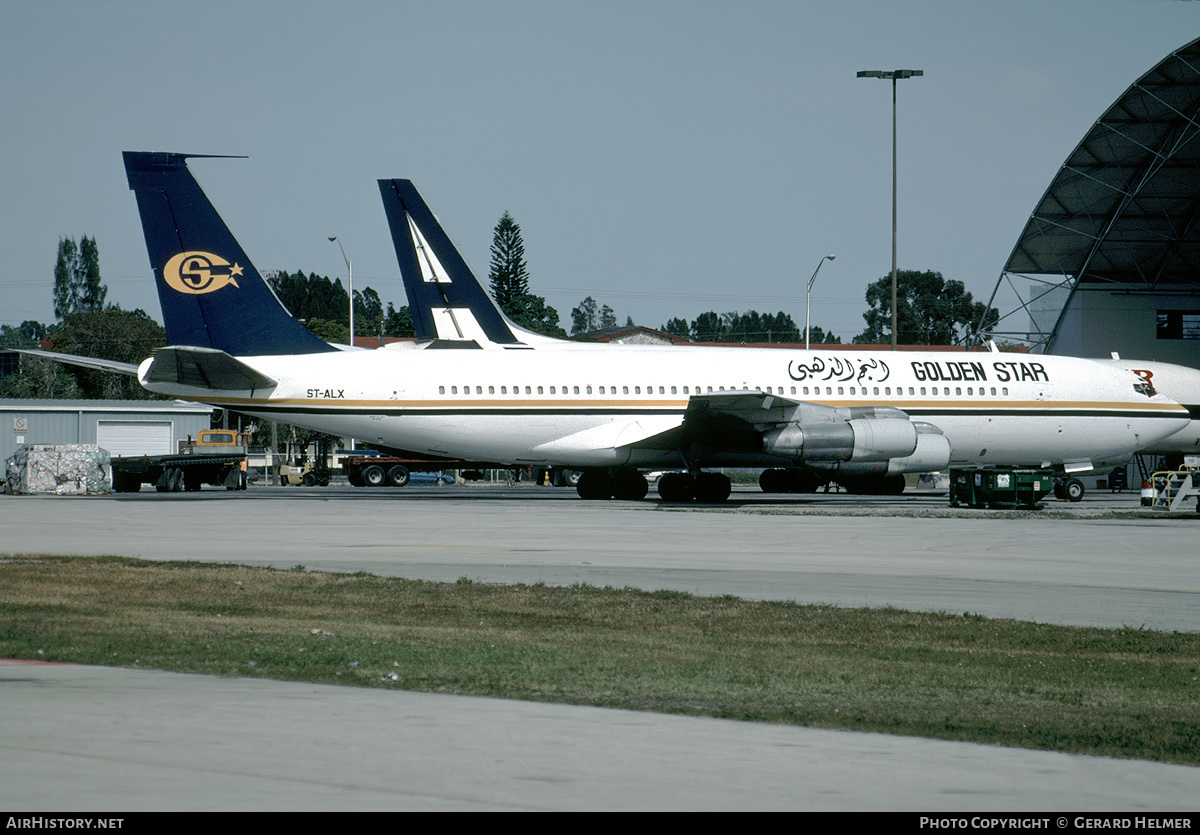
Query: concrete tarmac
82, 738
98, 739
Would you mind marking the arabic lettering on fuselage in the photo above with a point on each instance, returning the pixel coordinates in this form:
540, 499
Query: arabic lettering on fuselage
849, 369
842, 369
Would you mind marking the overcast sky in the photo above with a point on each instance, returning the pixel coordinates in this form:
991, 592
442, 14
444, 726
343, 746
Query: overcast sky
665, 158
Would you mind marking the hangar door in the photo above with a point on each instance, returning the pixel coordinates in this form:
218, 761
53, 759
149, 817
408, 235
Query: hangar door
135, 437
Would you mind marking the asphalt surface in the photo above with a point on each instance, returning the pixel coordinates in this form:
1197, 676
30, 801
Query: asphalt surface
85, 738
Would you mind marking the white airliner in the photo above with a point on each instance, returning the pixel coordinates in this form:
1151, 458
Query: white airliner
608, 410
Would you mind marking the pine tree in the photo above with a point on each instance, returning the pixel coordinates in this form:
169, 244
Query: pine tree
508, 276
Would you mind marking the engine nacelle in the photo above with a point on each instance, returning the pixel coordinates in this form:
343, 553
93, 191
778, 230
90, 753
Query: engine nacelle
932, 454
866, 439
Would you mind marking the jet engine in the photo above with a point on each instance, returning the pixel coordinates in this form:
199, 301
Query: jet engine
865, 439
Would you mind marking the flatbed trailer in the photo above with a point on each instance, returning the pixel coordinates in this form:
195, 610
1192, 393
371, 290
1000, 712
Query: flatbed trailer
394, 471
217, 457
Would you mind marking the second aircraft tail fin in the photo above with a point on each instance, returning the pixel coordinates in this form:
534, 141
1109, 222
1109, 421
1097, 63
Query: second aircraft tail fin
446, 299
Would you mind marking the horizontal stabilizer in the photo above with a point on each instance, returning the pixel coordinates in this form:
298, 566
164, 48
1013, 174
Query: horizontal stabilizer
204, 368
129, 369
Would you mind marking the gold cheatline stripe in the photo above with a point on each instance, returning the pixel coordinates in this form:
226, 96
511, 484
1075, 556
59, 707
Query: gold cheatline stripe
1049, 406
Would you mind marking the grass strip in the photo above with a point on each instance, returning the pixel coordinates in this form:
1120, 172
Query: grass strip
1116, 692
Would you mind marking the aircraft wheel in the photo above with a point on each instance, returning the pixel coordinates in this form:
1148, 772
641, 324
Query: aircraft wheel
398, 476
802, 481
1074, 489
374, 476
712, 488
773, 481
629, 485
594, 484
892, 485
675, 487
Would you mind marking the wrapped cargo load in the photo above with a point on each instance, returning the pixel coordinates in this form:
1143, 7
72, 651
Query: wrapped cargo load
63, 469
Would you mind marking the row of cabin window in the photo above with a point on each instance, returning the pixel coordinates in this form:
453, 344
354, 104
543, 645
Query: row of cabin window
816, 390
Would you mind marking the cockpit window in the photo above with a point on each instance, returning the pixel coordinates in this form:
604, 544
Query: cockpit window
1144, 388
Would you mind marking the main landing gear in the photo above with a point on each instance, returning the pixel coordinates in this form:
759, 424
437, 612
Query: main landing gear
625, 484
629, 485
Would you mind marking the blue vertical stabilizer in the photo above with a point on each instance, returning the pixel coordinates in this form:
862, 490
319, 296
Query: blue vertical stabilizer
210, 292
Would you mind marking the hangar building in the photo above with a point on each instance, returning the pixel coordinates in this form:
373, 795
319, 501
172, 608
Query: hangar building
1110, 258
123, 427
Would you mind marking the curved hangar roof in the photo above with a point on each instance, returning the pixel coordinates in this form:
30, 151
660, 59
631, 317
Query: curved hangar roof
1125, 207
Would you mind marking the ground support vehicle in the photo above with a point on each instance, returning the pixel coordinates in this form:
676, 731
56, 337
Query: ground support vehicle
217, 457
999, 487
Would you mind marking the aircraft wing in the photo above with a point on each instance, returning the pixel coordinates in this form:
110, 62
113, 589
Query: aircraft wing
755, 422
735, 421
129, 369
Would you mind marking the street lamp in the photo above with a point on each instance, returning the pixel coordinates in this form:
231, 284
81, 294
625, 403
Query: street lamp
808, 296
349, 285
894, 75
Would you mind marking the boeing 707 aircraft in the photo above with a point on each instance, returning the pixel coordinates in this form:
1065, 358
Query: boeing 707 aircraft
610, 411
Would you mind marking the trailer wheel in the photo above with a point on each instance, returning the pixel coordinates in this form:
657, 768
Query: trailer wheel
398, 476
374, 476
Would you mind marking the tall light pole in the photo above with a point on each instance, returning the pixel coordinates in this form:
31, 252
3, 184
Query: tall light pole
349, 285
808, 296
894, 75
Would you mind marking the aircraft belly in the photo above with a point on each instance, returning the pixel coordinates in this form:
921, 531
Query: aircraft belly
1006, 440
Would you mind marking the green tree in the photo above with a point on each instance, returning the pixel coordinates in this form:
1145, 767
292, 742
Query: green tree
677, 327
92, 291
509, 279
40, 378
368, 313
585, 317
532, 313
709, 327
817, 336
312, 296
113, 334
77, 284
398, 322
330, 330
930, 310
26, 335
588, 317
508, 276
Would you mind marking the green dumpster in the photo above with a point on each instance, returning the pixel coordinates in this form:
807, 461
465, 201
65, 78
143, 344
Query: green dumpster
999, 487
